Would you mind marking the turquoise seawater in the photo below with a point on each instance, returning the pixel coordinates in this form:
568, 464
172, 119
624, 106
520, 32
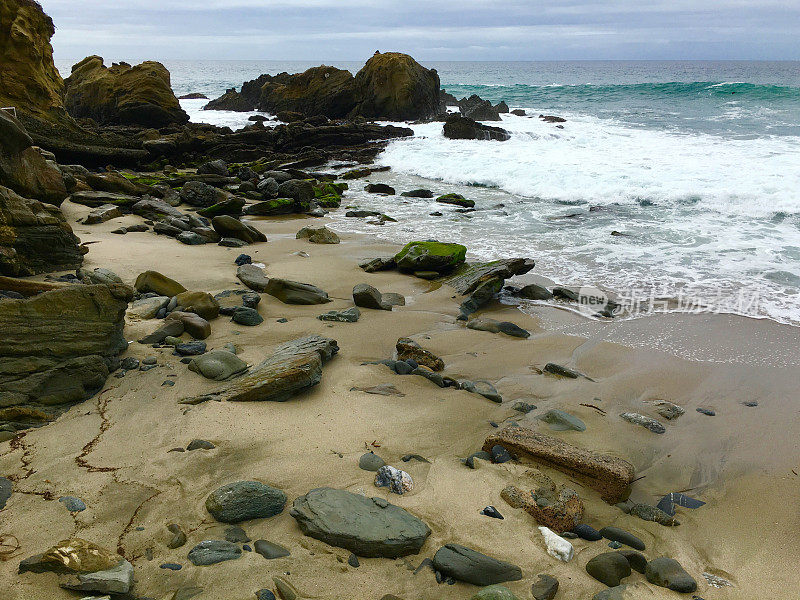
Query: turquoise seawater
697, 164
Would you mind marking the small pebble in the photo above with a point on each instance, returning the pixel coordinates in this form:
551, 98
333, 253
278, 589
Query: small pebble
168, 382
283, 320
243, 259
569, 535
247, 548
500, 454
72, 503
706, 411
491, 511
750, 403
171, 566
147, 367
150, 360
614, 545
353, 561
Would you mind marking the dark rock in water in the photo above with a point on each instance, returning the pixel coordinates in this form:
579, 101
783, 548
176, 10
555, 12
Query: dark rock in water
420, 193
552, 119
243, 259
706, 411
211, 552
668, 572
545, 587
349, 315
465, 564
201, 445
269, 550
479, 109
620, 535
368, 527
668, 502
6, 487
125, 95
380, 188
534, 292
491, 511
293, 367
636, 560
458, 127
247, 316
72, 503
370, 462
587, 532
236, 535
456, 200
353, 561
51, 362
245, 500
609, 568
518, 112
555, 369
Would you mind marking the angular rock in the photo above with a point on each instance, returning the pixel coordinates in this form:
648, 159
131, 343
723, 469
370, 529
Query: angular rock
493, 326
197, 193
430, 256
348, 315
117, 580
74, 555
269, 550
211, 552
227, 226
557, 547
101, 214
562, 421
193, 324
559, 513
293, 368
464, 564
253, 277
646, 422
245, 500
609, 475
458, 127
200, 303
545, 587
155, 209
366, 296
408, 349
368, 527
396, 480
294, 292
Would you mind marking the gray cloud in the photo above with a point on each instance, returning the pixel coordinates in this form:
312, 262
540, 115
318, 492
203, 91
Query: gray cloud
430, 30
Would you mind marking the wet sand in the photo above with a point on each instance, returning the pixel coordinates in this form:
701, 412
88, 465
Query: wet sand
113, 450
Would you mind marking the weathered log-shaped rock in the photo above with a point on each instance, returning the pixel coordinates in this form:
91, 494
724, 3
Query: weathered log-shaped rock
464, 564
609, 475
293, 368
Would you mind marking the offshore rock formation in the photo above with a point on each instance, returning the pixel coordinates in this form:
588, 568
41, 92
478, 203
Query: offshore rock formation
391, 86
126, 95
58, 348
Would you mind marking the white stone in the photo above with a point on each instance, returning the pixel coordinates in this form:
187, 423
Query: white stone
557, 547
396, 480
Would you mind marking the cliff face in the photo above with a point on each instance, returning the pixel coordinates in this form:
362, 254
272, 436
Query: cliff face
122, 94
29, 80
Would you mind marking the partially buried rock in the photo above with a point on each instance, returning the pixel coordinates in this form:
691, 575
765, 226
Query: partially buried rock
557, 547
211, 552
294, 292
609, 568
117, 580
245, 500
464, 564
623, 537
366, 296
247, 316
74, 555
348, 315
545, 587
534, 292
368, 527
253, 277
483, 388
72, 503
646, 422
318, 235
380, 188
494, 592
200, 445
269, 550
562, 421
6, 487
668, 572
103, 213
636, 560
555, 369
493, 326
669, 411
396, 480
408, 349
370, 462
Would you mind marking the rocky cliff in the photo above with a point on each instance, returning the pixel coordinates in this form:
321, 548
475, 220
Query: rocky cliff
122, 94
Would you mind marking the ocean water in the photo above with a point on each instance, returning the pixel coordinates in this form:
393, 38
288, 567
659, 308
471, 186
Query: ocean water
696, 164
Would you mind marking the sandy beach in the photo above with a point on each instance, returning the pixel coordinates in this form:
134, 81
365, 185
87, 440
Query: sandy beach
113, 451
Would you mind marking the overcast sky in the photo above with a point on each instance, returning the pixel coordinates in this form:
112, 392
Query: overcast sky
331, 30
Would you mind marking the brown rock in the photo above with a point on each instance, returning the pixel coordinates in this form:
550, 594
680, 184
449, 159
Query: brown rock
609, 475
561, 515
409, 349
74, 555
201, 303
193, 324
153, 281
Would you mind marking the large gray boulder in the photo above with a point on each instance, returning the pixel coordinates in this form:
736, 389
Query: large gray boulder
369, 527
464, 564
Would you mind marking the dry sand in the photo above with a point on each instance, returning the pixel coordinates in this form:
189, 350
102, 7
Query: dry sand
113, 450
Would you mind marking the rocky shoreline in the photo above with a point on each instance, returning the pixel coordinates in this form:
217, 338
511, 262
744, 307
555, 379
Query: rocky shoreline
370, 413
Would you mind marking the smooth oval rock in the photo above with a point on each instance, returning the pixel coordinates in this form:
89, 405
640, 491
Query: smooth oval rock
623, 537
668, 572
609, 568
245, 500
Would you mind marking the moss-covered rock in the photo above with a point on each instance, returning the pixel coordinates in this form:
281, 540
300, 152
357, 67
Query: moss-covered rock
456, 199
320, 90
276, 206
430, 256
395, 87
139, 95
329, 201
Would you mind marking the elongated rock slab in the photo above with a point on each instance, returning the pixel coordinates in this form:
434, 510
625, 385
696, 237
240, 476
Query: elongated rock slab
293, 368
464, 564
609, 475
368, 527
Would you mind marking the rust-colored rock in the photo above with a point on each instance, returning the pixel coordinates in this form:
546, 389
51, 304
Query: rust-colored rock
562, 515
609, 475
408, 349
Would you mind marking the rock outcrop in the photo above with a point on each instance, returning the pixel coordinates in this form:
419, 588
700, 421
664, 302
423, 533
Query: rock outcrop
395, 87
320, 90
22, 166
122, 94
34, 237
58, 347
29, 80
609, 475
458, 127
